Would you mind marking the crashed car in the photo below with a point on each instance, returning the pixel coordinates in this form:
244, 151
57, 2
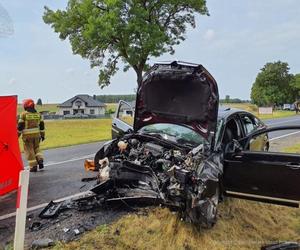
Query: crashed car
182, 152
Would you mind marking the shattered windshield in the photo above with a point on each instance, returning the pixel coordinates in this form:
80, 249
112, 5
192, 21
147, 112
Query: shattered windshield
175, 133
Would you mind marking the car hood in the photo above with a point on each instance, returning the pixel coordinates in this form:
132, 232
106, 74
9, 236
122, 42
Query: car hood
179, 93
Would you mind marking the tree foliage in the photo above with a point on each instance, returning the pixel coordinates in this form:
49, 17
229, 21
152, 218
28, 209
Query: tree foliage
295, 84
108, 32
273, 85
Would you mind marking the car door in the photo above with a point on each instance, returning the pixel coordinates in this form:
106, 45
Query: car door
272, 177
123, 121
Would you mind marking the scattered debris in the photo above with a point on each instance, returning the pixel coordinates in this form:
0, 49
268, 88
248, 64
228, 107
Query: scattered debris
40, 243
76, 231
35, 226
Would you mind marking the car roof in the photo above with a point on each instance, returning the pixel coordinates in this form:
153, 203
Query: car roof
225, 112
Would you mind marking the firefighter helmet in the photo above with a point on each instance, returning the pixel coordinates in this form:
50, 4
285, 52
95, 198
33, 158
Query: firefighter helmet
28, 103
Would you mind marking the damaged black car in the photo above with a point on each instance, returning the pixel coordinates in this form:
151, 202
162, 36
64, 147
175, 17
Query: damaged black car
185, 153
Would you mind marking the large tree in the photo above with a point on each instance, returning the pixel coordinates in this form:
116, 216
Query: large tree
295, 84
273, 85
108, 32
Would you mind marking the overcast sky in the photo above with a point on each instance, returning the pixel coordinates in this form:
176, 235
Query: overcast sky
233, 43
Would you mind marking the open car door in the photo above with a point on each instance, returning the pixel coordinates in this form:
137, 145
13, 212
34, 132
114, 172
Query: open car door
123, 121
272, 177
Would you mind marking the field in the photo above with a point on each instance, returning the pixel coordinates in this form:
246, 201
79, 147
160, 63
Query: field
253, 109
61, 133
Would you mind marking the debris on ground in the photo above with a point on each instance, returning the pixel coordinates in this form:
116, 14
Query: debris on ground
41, 243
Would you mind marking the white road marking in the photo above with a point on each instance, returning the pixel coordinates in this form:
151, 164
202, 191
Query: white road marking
6, 216
72, 159
282, 136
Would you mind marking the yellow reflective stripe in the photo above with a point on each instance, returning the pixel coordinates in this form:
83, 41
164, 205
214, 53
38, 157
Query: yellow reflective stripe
42, 130
33, 116
30, 131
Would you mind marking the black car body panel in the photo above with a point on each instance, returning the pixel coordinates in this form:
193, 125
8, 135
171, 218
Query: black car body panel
267, 176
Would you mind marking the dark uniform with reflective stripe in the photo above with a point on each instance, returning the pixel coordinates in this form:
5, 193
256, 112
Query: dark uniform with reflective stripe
31, 127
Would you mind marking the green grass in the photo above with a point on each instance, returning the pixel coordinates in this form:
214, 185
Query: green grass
44, 107
61, 133
293, 149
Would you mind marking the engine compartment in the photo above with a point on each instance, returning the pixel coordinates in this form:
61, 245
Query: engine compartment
146, 170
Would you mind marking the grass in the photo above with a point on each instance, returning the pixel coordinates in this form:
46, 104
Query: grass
254, 109
61, 133
241, 225
293, 149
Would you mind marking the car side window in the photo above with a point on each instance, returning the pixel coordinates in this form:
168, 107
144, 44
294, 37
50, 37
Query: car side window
249, 123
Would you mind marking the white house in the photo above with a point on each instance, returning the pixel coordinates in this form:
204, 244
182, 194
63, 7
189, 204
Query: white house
82, 104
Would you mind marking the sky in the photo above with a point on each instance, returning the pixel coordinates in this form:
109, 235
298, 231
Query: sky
233, 43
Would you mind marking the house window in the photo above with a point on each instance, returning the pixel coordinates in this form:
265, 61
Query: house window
92, 111
66, 112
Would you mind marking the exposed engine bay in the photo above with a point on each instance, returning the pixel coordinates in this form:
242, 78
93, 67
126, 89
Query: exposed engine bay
146, 170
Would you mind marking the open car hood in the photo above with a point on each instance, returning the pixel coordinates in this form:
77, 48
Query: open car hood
179, 93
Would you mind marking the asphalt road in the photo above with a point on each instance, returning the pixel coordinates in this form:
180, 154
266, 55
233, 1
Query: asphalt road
64, 171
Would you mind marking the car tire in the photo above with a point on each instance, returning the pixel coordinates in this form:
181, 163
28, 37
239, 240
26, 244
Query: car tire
204, 214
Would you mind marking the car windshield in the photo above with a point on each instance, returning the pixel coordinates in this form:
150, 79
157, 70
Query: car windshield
175, 133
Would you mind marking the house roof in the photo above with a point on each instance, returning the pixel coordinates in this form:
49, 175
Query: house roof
87, 99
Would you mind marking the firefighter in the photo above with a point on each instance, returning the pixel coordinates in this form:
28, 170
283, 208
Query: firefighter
31, 127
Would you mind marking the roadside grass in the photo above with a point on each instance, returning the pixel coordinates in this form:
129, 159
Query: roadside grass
254, 110
293, 149
241, 225
60, 133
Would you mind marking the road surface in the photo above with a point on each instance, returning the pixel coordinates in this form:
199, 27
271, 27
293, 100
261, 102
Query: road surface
64, 171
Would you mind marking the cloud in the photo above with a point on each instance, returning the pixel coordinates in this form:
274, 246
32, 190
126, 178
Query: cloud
209, 35
12, 81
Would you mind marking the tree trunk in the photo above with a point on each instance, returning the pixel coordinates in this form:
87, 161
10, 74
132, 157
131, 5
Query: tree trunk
139, 75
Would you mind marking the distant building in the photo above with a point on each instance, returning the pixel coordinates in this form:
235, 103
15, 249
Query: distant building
82, 104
